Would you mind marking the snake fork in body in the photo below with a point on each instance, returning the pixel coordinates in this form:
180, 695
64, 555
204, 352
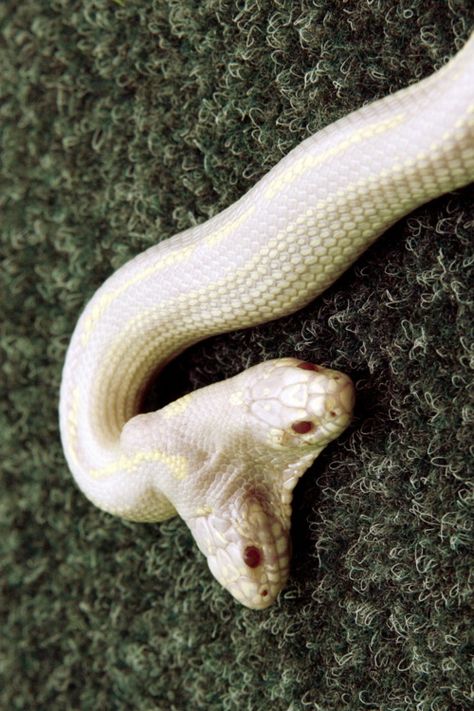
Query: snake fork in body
227, 457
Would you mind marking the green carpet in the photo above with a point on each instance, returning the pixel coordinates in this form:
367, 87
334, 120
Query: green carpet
122, 123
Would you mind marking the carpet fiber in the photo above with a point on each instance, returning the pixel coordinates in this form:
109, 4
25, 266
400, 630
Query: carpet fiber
122, 123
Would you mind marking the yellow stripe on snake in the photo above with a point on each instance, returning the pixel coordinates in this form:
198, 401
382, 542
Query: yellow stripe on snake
227, 457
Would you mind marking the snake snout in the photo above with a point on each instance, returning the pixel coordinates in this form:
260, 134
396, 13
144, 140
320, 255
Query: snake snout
331, 403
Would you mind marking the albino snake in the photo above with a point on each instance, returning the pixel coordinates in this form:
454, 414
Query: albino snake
227, 457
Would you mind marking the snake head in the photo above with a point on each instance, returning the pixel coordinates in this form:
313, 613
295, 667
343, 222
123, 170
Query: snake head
232, 479
247, 547
292, 410
298, 407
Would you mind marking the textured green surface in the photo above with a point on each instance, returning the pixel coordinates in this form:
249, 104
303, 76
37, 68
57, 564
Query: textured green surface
122, 123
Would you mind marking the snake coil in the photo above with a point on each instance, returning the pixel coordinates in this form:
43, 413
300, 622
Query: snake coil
227, 457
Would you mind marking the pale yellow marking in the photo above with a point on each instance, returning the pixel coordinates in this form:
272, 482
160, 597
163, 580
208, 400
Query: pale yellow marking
466, 118
275, 245
204, 511
177, 407
104, 301
175, 257
72, 424
275, 436
237, 398
310, 161
220, 538
226, 229
177, 464
281, 545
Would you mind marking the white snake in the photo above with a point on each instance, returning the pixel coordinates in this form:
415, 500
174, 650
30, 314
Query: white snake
227, 457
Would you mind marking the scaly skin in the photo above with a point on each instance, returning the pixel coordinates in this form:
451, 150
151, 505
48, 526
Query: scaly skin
226, 458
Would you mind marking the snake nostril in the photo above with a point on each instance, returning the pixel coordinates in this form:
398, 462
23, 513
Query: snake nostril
302, 426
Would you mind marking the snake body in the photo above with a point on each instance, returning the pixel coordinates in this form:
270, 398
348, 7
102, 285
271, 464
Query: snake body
227, 457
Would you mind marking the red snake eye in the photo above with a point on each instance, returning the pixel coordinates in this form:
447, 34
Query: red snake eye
302, 427
252, 556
